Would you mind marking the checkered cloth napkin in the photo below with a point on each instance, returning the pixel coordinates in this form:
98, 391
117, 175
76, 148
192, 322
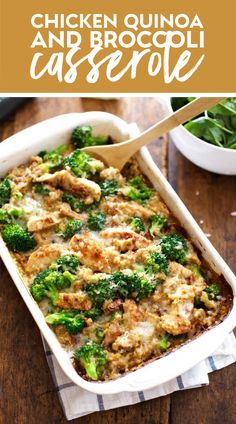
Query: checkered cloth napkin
77, 402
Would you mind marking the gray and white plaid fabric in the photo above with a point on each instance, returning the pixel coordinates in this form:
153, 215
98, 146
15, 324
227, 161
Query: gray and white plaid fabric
77, 402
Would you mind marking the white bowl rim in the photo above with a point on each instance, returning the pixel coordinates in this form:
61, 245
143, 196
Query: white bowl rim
210, 145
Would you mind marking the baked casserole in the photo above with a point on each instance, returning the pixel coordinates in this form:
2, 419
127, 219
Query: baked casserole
115, 275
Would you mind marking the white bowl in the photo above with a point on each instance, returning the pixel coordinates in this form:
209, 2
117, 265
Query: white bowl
56, 131
207, 156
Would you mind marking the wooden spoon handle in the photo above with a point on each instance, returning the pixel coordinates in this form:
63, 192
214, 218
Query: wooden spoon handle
182, 115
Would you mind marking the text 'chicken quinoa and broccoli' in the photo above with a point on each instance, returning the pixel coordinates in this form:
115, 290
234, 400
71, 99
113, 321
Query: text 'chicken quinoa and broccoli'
111, 269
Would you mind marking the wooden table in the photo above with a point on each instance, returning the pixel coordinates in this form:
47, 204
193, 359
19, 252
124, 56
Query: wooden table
27, 392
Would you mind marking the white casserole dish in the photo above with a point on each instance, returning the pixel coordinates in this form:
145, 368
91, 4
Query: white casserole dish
56, 131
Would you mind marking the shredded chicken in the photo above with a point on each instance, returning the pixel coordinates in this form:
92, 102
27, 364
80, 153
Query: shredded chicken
87, 189
157, 205
78, 300
37, 223
112, 332
112, 174
53, 197
90, 252
174, 324
41, 258
65, 210
126, 209
124, 239
64, 337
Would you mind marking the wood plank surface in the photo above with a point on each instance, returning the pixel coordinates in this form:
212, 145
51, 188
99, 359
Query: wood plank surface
211, 198
27, 393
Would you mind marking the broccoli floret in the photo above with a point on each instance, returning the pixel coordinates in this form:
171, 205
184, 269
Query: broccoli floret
10, 215
139, 267
48, 282
141, 287
115, 315
17, 195
81, 164
198, 303
58, 279
68, 263
40, 289
72, 320
93, 313
196, 270
109, 187
100, 291
158, 223
120, 285
42, 153
53, 159
78, 163
123, 284
164, 342
16, 212
83, 137
5, 191
212, 291
17, 239
157, 262
174, 247
75, 204
39, 188
99, 334
137, 224
96, 221
92, 357
137, 190
5, 218
72, 227
39, 279
133, 285
59, 275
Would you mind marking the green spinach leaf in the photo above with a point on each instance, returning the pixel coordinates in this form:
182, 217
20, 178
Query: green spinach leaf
209, 130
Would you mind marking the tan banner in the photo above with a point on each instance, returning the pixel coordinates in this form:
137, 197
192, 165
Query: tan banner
128, 46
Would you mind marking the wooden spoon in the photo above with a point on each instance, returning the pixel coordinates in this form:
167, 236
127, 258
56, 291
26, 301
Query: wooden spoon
118, 154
